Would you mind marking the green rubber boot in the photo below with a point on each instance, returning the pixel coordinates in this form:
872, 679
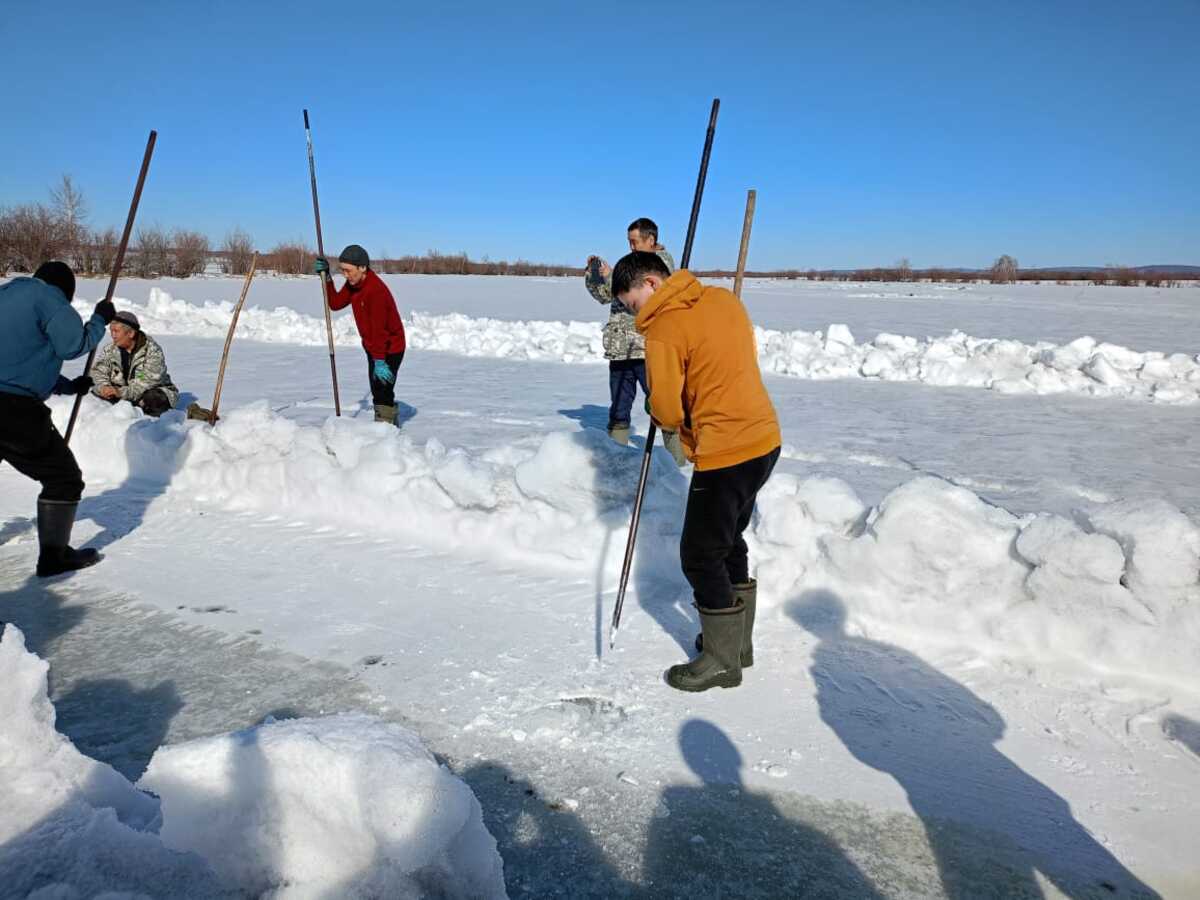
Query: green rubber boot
748, 594
385, 414
719, 664
619, 433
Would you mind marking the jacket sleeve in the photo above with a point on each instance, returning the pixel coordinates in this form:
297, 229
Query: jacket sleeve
69, 336
150, 374
337, 299
601, 290
665, 371
100, 371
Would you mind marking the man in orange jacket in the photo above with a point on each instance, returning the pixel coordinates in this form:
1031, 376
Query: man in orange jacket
702, 365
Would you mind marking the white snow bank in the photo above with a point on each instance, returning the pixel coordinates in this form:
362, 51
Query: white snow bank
932, 565
72, 827
1082, 366
1011, 367
552, 501
341, 806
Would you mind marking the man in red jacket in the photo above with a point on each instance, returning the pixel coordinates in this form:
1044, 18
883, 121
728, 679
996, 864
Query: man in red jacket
378, 323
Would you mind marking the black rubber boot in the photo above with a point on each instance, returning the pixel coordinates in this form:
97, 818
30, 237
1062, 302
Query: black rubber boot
748, 594
719, 664
55, 518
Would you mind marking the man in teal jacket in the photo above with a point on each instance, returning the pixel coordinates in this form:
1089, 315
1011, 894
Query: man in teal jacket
39, 331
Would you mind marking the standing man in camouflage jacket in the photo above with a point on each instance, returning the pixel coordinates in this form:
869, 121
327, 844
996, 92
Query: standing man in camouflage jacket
624, 348
133, 367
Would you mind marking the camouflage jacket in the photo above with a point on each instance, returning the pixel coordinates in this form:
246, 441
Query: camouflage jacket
147, 369
621, 338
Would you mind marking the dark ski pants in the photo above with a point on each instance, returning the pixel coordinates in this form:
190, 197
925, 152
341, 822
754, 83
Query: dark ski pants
31, 444
719, 506
624, 376
382, 393
153, 402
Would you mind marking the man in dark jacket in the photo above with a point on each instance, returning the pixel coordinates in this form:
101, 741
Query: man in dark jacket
38, 331
378, 323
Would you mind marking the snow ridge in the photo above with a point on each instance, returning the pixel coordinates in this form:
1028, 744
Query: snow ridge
933, 566
1083, 366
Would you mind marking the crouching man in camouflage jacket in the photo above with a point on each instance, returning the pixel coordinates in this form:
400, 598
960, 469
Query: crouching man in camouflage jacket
624, 348
134, 368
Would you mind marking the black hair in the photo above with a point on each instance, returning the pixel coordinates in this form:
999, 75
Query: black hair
633, 269
58, 274
645, 226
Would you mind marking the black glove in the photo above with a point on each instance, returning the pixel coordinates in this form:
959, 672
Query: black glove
106, 311
81, 385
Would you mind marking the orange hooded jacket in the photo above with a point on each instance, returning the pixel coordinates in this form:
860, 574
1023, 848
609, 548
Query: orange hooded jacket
702, 363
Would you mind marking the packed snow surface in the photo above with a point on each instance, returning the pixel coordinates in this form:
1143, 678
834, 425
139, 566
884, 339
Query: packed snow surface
344, 805
976, 669
1083, 366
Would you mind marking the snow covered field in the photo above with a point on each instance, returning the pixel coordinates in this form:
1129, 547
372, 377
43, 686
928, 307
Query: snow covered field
978, 650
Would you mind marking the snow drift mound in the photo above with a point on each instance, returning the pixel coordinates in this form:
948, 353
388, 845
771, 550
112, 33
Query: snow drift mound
342, 806
1082, 367
936, 566
932, 565
553, 501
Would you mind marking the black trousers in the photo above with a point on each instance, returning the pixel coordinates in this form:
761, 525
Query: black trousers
31, 444
719, 506
382, 393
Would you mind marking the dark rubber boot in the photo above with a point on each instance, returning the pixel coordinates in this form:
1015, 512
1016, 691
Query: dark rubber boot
748, 594
55, 518
385, 414
719, 664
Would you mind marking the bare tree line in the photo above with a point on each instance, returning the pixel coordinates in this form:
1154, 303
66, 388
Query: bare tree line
35, 232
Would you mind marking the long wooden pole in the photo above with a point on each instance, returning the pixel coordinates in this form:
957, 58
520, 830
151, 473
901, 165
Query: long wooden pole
745, 248
627, 565
117, 263
312, 175
237, 311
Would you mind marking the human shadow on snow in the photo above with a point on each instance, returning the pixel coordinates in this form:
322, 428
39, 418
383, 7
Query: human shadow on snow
899, 715
547, 850
1184, 730
719, 839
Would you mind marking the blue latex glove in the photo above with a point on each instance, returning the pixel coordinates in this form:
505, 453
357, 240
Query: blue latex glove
320, 266
383, 372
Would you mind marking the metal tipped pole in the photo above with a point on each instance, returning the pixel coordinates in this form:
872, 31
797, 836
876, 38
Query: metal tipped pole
117, 263
652, 433
312, 175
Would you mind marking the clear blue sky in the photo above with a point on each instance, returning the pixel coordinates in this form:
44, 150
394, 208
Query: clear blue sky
949, 133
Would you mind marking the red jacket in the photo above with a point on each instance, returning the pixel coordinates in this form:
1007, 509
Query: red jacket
375, 314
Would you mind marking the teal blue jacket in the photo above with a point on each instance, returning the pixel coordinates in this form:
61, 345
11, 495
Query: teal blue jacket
39, 331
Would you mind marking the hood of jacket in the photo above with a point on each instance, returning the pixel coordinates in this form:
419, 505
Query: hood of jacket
680, 291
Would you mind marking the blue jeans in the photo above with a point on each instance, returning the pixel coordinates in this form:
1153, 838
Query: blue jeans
624, 376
